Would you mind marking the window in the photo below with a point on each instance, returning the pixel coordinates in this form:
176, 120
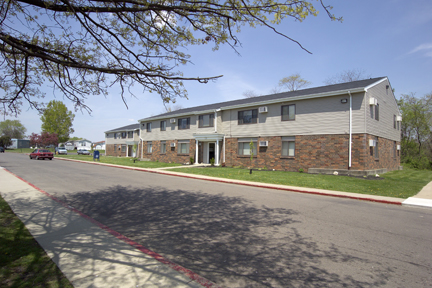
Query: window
149, 147
372, 111
115, 135
397, 124
115, 147
130, 134
394, 149
247, 116
123, 135
183, 123
377, 112
163, 125
149, 127
183, 147
244, 146
394, 121
288, 112
288, 146
206, 120
163, 147
123, 148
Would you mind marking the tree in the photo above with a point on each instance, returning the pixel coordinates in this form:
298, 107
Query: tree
250, 94
57, 119
347, 76
293, 82
13, 129
44, 139
5, 141
415, 129
83, 47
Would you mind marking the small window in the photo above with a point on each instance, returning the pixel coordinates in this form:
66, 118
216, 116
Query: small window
247, 116
149, 127
115, 135
130, 134
244, 146
206, 120
183, 123
115, 147
163, 147
394, 149
183, 147
288, 146
288, 112
123, 135
163, 125
149, 147
371, 109
397, 124
377, 112
394, 121
123, 148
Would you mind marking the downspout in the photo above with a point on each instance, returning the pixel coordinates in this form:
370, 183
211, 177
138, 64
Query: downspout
350, 132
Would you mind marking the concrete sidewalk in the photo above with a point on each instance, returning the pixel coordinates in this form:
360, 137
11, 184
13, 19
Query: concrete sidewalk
88, 255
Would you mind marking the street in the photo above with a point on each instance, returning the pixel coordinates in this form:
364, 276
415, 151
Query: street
239, 236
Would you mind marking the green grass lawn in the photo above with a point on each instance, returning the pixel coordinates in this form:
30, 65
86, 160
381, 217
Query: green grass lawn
401, 184
23, 263
120, 161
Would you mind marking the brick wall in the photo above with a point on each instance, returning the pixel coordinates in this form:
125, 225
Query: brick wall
171, 155
316, 151
117, 152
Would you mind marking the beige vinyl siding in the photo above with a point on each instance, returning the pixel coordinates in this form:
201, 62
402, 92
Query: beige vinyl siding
387, 108
172, 132
313, 117
110, 138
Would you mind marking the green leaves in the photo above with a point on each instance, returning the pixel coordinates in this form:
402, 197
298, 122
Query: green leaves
84, 47
57, 119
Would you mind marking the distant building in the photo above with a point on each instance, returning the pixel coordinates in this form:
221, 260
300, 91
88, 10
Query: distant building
99, 145
19, 143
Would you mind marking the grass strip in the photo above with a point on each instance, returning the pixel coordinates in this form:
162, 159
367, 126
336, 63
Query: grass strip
23, 263
125, 161
400, 183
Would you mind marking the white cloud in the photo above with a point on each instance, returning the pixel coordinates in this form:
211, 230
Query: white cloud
425, 48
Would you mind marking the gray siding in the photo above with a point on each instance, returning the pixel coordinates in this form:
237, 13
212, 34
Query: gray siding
109, 138
313, 117
387, 108
172, 132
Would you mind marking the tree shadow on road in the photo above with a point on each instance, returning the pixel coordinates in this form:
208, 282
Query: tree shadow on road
227, 240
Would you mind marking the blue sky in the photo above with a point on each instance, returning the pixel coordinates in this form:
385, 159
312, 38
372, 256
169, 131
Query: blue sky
390, 38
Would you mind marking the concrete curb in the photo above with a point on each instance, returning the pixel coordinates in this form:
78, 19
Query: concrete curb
322, 192
414, 201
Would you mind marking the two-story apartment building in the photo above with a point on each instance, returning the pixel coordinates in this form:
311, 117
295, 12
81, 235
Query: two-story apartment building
348, 126
122, 141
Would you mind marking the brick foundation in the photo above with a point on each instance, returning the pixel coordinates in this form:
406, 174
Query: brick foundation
317, 151
314, 151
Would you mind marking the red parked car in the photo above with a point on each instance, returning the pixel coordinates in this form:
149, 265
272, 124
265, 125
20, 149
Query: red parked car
41, 154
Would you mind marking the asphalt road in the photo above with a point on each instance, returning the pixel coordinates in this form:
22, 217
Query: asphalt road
238, 236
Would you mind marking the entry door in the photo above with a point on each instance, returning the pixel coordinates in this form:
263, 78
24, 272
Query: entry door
130, 150
211, 151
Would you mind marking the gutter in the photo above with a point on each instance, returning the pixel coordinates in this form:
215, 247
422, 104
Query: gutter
350, 132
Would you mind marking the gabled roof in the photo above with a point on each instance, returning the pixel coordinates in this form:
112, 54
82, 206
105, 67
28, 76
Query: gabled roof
131, 127
316, 92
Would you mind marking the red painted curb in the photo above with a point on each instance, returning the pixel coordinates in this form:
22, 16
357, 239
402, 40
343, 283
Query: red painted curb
192, 275
244, 184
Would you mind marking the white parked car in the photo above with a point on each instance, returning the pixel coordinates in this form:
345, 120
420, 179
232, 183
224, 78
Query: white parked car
83, 152
62, 150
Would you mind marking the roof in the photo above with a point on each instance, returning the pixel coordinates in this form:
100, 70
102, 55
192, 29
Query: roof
125, 128
316, 92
